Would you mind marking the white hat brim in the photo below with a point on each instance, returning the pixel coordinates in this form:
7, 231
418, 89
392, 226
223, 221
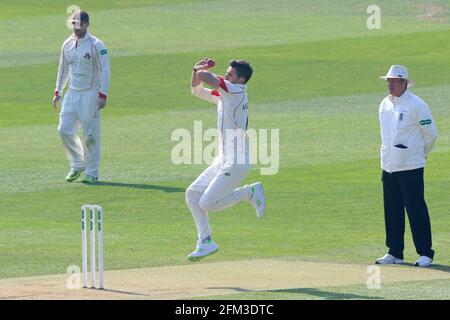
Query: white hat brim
410, 82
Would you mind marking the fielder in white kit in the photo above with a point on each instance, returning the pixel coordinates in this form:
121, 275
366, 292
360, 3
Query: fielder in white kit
217, 187
84, 63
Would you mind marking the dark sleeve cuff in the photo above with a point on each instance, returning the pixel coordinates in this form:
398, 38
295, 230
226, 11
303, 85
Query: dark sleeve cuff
101, 95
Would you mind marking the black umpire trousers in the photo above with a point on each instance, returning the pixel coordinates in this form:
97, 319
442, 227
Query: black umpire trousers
405, 189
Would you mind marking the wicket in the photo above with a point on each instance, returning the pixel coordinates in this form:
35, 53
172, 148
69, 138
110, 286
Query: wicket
92, 209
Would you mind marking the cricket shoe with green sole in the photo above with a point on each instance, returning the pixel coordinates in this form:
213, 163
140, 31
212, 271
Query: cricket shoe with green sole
203, 249
257, 199
73, 175
89, 179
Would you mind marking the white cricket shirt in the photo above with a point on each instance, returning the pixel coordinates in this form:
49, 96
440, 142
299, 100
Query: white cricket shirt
232, 118
85, 64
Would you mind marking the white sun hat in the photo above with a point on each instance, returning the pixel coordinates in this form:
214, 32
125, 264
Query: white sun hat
397, 71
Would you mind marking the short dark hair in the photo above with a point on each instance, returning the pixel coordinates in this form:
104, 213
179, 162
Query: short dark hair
243, 69
82, 15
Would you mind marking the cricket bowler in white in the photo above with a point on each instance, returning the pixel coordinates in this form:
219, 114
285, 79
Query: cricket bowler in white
217, 187
84, 64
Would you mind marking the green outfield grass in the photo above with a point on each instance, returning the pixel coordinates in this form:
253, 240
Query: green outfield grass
316, 79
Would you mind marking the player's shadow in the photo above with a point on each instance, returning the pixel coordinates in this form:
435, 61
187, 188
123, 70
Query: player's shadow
326, 294
308, 291
125, 292
137, 186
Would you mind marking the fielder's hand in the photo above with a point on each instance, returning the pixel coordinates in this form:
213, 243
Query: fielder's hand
101, 103
55, 101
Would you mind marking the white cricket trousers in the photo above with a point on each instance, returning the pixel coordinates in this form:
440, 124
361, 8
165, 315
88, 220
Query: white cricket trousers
80, 108
214, 190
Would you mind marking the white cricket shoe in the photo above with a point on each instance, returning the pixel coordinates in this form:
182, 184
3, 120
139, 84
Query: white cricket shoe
203, 250
257, 199
424, 261
389, 259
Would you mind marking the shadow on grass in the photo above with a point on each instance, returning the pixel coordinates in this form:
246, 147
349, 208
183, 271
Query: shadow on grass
437, 267
440, 267
328, 295
124, 292
136, 186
